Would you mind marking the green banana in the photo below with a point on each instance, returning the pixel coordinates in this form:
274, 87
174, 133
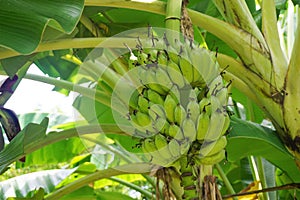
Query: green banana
10, 123
169, 106
157, 111
176, 132
175, 93
197, 67
180, 114
193, 106
152, 83
175, 74
142, 122
202, 125
163, 79
154, 97
211, 160
187, 69
161, 144
205, 105
189, 129
222, 95
217, 121
143, 104
158, 116
174, 149
226, 123
149, 148
211, 148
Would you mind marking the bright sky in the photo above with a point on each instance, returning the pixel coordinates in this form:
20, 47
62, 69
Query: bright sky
32, 96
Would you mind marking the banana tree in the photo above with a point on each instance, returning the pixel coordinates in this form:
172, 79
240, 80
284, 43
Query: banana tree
257, 61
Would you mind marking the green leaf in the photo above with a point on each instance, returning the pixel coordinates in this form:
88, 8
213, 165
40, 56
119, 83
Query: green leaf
19, 145
253, 112
38, 195
23, 21
248, 138
12, 65
19, 186
84, 193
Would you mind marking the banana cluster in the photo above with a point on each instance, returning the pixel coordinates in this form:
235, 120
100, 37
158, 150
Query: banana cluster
180, 107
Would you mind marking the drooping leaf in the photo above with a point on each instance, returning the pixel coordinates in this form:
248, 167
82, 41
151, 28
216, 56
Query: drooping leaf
23, 21
248, 138
20, 144
19, 186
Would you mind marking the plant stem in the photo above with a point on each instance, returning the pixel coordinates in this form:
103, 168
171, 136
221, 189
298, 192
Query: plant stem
75, 43
262, 177
173, 15
107, 173
225, 180
133, 186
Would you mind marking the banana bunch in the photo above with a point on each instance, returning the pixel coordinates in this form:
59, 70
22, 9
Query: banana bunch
178, 107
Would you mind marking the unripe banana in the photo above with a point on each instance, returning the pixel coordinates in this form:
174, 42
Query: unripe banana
10, 122
149, 148
160, 141
187, 69
217, 121
197, 65
213, 159
143, 119
143, 104
180, 114
162, 146
215, 85
157, 111
154, 97
184, 146
202, 125
142, 122
211, 148
193, 106
174, 148
162, 58
226, 123
189, 129
175, 93
169, 106
152, 83
205, 105
176, 132
162, 79
175, 74
222, 95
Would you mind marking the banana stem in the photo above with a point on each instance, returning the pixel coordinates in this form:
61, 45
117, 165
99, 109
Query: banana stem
262, 177
173, 15
225, 180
